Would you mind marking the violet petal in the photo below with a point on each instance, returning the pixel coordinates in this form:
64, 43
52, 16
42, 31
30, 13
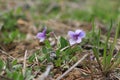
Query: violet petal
71, 34
82, 34
42, 39
72, 42
78, 31
78, 40
39, 35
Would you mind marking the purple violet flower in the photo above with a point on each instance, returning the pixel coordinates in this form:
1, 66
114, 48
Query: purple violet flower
76, 37
41, 35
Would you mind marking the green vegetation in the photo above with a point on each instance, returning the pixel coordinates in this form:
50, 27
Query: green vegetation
61, 54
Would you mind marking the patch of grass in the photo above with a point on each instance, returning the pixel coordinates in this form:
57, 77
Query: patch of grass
10, 20
8, 37
62, 53
99, 11
9, 29
107, 64
105, 12
77, 15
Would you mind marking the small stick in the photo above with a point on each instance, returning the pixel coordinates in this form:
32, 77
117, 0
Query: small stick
36, 58
64, 48
6, 54
45, 74
24, 63
67, 47
55, 36
64, 74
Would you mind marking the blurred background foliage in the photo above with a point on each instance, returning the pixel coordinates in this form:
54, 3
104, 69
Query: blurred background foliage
40, 10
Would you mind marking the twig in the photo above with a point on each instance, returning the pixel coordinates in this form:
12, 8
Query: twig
64, 74
6, 54
4, 78
67, 47
36, 58
55, 36
64, 48
45, 74
24, 63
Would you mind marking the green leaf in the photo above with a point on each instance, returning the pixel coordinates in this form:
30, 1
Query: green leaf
63, 42
72, 50
97, 43
14, 75
42, 57
17, 67
31, 58
9, 73
109, 58
58, 52
47, 44
105, 48
28, 74
14, 62
44, 50
17, 76
58, 62
1, 65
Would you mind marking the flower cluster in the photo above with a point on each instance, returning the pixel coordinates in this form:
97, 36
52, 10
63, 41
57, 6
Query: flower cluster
74, 37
